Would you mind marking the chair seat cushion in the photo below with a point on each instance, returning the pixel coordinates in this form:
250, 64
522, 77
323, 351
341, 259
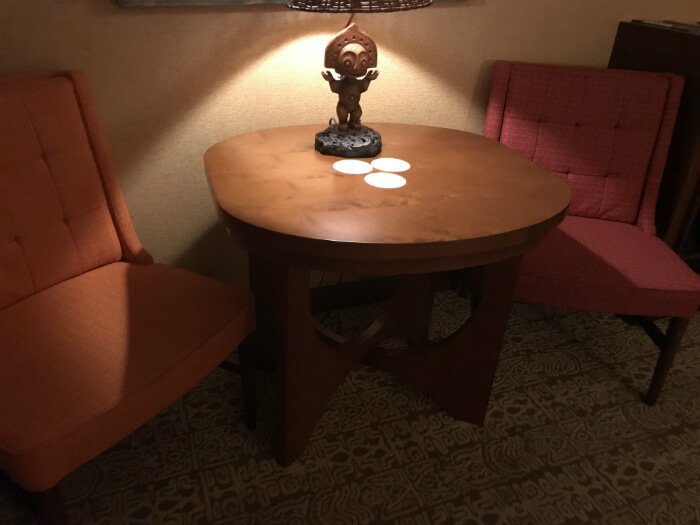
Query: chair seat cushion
599, 265
87, 361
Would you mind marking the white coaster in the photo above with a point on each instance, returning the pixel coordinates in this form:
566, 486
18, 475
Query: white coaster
352, 167
380, 179
391, 165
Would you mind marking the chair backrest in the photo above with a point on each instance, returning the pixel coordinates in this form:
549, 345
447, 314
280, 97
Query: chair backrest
605, 131
61, 213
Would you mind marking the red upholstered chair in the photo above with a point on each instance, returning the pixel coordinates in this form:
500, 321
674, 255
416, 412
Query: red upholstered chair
95, 339
606, 132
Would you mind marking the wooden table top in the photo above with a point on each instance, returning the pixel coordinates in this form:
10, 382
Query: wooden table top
465, 194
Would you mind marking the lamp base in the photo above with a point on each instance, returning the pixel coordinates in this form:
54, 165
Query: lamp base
353, 143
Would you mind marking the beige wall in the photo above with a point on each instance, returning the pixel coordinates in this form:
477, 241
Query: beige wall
171, 82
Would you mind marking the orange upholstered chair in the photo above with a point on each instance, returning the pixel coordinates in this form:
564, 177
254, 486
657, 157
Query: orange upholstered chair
95, 339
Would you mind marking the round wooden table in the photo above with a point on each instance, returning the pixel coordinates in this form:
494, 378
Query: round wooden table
468, 203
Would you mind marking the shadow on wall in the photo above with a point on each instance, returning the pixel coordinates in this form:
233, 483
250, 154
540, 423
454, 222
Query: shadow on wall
482, 88
216, 255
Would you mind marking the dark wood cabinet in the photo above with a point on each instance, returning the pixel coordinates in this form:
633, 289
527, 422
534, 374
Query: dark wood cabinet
672, 47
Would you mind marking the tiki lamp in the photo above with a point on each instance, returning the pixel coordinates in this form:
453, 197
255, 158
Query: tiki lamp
350, 61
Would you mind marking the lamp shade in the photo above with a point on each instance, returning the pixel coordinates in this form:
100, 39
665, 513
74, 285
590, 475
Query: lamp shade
357, 6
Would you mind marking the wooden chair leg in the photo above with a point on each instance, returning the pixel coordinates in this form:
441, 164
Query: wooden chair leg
246, 358
671, 344
49, 507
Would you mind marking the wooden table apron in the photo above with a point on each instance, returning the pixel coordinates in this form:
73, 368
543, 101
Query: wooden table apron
468, 203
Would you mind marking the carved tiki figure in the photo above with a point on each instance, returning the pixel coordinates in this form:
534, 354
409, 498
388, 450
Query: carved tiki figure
350, 53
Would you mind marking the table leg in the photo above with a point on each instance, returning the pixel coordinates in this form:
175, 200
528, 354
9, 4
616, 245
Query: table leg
414, 309
308, 370
458, 371
310, 362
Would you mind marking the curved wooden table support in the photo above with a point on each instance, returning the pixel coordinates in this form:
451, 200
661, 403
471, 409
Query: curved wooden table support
457, 372
469, 203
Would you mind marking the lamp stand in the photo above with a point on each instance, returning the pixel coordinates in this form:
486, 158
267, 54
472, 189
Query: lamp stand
351, 53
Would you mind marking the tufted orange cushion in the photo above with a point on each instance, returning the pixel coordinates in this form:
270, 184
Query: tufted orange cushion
94, 357
94, 338
55, 222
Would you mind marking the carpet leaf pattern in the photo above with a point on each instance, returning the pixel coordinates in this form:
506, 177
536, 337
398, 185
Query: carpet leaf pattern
567, 439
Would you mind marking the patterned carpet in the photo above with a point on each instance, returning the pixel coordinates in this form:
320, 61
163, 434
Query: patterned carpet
566, 440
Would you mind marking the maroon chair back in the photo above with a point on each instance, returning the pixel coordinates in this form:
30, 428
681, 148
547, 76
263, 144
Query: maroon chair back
605, 131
